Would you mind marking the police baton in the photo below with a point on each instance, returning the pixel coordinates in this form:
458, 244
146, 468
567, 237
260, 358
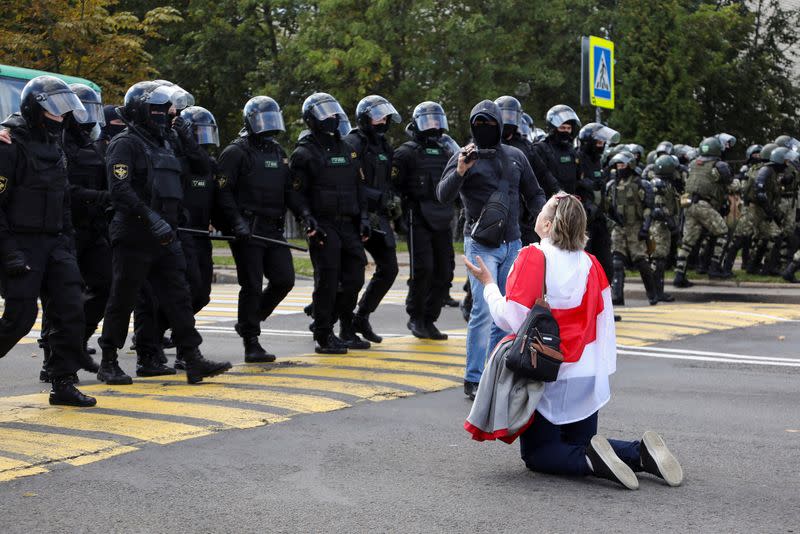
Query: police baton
216, 237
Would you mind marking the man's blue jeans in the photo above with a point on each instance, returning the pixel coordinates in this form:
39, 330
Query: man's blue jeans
482, 334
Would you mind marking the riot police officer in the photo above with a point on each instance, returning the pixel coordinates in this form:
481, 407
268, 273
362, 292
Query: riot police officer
416, 170
374, 114
37, 236
665, 227
593, 138
556, 151
257, 171
146, 193
327, 172
707, 187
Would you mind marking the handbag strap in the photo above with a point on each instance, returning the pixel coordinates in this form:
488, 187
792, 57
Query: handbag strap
544, 274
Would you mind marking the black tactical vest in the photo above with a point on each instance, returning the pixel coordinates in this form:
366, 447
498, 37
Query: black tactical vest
334, 191
563, 163
429, 164
376, 162
36, 203
261, 190
86, 168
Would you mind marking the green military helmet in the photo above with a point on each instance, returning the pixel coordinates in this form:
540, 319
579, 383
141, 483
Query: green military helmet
752, 150
610, 152
626, 157
711, 147
664, 147
766, 151
665, 165
782, 156
651, 157
637, 151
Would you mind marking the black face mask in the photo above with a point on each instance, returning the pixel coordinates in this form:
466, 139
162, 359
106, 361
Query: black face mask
329, 125
564, 138
380, 129
262, 139
509, 130
625, 172
52, 127
113, 129
432, 135
485, 135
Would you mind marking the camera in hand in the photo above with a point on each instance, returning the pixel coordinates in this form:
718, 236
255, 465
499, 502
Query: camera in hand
479, 153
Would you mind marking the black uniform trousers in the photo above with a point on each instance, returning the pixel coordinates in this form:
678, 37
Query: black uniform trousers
94, 262
164, 268
599, 244
433, 265
386, 269
54, 276
254, 261
338, 271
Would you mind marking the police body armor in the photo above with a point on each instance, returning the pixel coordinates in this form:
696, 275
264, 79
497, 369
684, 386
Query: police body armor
376, 161
166, 189
566, 166
36, 204
627, 202
198, 200
748, 191
334, 192
702, 183
86, 168
429, 165
261, 191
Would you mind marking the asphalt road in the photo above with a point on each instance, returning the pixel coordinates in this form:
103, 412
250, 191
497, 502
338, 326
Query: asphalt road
726, 401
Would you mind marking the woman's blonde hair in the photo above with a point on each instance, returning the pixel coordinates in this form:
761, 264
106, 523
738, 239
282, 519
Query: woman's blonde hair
568, 231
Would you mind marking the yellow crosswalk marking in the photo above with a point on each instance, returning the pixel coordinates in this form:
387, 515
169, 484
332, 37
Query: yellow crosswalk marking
421, 382
374, 363
51, 447
11, 469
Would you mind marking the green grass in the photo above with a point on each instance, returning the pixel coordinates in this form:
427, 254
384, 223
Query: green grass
739, 276
302, 266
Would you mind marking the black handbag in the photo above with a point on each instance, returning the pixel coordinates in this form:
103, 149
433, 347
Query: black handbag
536, 352
490, 228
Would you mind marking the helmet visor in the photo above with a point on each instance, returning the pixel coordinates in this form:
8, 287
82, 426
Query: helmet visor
607, 135
266, 121
511, 116
561, 116
727, 140
181, 99
431, 121
793, 144
344, 127
524, 129
382, 110
60, 103
92, 113
327, 108
163, 94
206, 134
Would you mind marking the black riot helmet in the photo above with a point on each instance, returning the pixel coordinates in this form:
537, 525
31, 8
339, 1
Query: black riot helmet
625, 157
511, 113
145, 98
751, 152
429, 117
593, 132
262, 114
50, 94
92, 103
375, 107
203, 123
322, 113
664, 148
637, 151
180, 97
560, 114
665, 165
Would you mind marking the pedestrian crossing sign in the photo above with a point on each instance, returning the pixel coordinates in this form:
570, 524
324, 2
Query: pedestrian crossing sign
601, 72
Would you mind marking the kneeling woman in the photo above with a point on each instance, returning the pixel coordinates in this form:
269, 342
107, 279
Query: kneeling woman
562, 437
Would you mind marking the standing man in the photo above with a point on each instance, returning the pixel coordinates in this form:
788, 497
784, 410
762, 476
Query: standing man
665, 226
328, 174
257, 172
417, 167
487, 169
37, 237
146, 194
707, 187
374, 114
557, 153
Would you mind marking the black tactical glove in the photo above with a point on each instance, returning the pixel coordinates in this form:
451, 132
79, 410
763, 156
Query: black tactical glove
644, 233
184, 130
160, 229
241, 231
365, 228
15, 263
310, 223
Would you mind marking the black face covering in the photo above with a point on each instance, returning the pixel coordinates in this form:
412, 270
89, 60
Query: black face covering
509, 130
262, 139
329, 125
485, 135
53, 128
113, 129
624, 172
564, 138
431, 135
380, 129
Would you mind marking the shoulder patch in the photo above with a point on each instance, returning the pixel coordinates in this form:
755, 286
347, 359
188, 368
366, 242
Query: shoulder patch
222, 180
3, 184
120, 171
354, 155
395, 172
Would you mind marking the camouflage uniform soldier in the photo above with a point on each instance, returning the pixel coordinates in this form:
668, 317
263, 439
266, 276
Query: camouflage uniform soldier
707, 188
664, 227
790, 184
752, 226
630, 201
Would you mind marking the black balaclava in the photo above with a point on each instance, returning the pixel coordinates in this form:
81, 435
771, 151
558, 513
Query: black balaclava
486, 135
509, 130
329, 125
157, 123
563, 138
625, 172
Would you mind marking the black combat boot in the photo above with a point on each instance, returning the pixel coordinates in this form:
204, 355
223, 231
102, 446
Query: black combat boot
87, 362
649, 282
715, 271
198, 368
754, 265
362, 326
450, 302
434, 332
606, 464
110, 371
64, 393
149, 364
730, 254
658, 275
254, 352
788, 273
680, 280
417, 327
327, 343
348, 334
657, 460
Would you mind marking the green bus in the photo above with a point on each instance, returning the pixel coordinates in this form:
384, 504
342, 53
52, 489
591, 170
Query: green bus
13, 79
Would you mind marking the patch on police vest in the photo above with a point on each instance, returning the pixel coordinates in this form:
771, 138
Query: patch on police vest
270, 164
222, 180
353, 155
395, 172
120, 171
3, 184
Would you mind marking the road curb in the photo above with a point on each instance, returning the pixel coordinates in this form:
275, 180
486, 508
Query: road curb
757, 292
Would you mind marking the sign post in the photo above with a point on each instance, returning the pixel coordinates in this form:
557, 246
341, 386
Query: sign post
597, 80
